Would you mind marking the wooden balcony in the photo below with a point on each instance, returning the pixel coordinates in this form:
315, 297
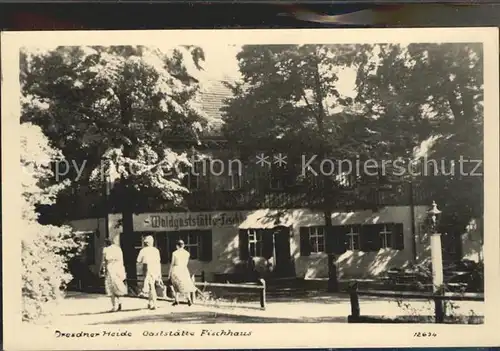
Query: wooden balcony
360, 198
92, 205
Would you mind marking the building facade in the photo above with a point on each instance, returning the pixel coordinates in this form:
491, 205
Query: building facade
363, 243
240, 213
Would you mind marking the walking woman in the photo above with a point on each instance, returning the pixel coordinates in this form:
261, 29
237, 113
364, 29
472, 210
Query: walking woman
149, 256
179, 274
114, 273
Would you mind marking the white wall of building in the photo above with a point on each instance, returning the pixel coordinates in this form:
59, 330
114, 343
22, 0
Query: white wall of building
225, 243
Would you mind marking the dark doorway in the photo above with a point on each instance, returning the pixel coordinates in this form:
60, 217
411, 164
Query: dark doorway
284, 266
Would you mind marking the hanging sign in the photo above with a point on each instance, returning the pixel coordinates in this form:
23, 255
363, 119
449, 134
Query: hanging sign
187, 220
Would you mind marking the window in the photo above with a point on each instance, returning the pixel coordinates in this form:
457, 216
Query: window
235, 178
255, 243
386, 237
377, 175
193, 177
231, 178
277, 178
382, 236
191, 243
197, 242
353, 236
317, 239
160, 242
282, 177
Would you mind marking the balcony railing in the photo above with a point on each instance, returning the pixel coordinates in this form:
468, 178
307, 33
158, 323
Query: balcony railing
390, 195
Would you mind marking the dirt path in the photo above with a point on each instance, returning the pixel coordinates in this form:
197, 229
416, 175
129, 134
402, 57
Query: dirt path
92, 309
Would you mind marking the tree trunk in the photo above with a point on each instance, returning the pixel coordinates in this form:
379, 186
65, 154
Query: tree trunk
127, 243
127, 239
327, 181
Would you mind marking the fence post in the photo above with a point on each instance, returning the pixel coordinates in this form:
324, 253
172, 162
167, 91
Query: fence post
439, 305
193, 294
353, 295
203, 277
262, 294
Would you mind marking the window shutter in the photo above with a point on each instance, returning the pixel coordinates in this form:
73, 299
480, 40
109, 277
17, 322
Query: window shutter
398, 236
267, 244
305, 244
370, 237
243, 244
161, 244
338, 238
206, 245
90, 248
172, 238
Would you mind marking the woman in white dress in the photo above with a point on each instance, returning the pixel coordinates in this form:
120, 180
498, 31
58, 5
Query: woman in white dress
150, 257
179, 274
114, 273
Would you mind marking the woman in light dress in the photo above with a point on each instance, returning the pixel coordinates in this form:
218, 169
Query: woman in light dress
179, 274
114, 273
150, 257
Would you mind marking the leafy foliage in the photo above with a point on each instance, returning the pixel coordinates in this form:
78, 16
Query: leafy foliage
114, 110
428, 101
288, 94
409, 102
46, 249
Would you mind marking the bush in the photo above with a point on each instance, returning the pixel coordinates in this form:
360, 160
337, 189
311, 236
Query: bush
45, 249
44, 268
464, 275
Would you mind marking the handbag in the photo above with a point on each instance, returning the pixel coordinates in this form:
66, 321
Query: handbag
160, 287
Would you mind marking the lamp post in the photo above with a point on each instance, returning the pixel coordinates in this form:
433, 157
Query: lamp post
436, 251
437, 261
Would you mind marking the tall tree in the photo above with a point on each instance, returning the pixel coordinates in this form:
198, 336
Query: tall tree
113, 110
290, 101
428, 99
409, 101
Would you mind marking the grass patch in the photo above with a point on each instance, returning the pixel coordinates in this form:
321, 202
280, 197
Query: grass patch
471, 319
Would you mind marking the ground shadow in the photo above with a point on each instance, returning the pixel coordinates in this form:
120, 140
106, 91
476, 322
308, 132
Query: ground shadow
100, 312
215, 317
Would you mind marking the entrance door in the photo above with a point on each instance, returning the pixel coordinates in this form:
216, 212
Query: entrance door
284, 266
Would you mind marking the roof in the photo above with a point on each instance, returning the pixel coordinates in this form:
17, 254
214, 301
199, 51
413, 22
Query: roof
213, 94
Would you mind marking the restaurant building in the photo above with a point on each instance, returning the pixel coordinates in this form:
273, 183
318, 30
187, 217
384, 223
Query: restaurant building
365, 243
258, 215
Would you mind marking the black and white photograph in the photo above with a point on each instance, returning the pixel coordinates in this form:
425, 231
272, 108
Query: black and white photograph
250, 187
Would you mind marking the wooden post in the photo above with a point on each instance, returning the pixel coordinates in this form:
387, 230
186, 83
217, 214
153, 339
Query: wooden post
439, 307
203, 277
262, 294
353, 295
